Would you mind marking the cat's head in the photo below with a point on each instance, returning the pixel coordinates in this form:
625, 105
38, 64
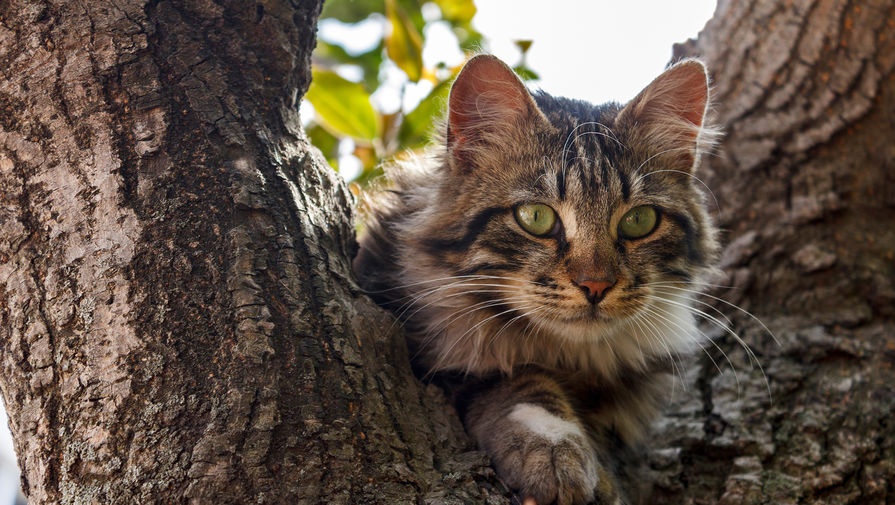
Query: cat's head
566, 219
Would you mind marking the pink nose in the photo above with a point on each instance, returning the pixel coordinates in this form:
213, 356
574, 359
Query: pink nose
595, 290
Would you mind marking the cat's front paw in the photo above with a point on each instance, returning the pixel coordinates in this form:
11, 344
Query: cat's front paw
547, 458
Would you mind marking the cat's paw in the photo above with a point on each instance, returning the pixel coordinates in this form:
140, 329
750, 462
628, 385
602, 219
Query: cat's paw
547, 458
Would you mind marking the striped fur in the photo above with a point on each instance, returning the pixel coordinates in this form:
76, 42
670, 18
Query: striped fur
485, 301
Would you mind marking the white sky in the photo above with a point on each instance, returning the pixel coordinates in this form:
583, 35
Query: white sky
595, 50
9, 481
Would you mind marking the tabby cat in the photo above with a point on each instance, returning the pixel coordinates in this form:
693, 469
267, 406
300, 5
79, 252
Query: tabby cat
543, 259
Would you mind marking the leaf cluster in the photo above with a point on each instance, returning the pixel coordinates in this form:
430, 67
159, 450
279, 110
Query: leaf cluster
345, 112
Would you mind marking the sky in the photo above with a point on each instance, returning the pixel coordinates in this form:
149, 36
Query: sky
594, 50
9, 480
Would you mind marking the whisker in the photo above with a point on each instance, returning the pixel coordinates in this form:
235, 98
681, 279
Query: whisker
440, 300
654, 156
706, 186
735, 306
724, 327
637, 340
676, 368
657, 311
482, 305
511, 321
438, 326
688, 283
432, 291
656, 336
705, 304
447, 352
611, 135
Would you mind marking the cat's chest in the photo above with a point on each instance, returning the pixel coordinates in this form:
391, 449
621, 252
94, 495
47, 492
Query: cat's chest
623, 404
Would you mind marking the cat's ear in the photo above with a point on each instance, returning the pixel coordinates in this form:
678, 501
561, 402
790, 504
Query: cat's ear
669, 114
488, 106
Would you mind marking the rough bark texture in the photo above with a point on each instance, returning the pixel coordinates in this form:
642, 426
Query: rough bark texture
178, 322
805, 179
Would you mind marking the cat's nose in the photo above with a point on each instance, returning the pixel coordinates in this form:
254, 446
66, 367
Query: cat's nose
595, 290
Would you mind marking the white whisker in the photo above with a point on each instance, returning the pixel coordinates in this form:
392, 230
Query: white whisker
727, 329
732, 305
676, 368
717, 206
447, 352
657, 311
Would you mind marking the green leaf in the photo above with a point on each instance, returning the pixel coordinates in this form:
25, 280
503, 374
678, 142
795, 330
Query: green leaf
350, 11
523, 45
342, 105
417, 124
460, 11
526, 73
403, 42
326, 142
414, 12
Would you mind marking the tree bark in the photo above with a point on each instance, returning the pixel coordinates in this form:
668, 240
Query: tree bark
178, 321
805, 180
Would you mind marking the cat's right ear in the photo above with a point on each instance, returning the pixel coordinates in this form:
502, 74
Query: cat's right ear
669, 114
488, 106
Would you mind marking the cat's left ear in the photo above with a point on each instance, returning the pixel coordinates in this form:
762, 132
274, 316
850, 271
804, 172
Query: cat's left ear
669, 114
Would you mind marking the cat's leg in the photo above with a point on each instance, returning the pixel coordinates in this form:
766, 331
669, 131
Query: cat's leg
538, 445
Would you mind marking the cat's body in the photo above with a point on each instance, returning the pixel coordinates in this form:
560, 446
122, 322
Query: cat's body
544, 255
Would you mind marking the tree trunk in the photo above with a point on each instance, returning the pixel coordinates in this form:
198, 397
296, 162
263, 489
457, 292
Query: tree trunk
178, 320
179, 324
805, 180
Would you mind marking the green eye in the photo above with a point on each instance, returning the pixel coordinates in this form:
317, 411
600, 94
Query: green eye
638, 222
536, 218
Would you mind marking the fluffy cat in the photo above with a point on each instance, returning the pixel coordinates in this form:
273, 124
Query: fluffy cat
543, 259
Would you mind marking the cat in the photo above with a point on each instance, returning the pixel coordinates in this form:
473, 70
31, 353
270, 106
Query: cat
543, 257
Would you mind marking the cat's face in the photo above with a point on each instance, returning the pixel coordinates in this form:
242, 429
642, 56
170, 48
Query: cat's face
570, 219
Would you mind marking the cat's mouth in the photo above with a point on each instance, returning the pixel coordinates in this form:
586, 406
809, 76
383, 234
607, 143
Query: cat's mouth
584, 325
592, 316
589, 314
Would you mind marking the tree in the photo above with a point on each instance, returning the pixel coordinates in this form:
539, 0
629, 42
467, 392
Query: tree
179, 322
804, 176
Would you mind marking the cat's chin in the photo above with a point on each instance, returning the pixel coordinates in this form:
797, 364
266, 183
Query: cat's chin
585, 327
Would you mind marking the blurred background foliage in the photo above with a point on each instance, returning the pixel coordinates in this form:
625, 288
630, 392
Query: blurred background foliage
381, 76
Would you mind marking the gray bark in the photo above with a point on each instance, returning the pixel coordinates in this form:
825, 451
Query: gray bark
178, 322
177, 318
805, 91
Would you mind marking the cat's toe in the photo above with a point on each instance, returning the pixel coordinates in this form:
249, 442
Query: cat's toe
564, 473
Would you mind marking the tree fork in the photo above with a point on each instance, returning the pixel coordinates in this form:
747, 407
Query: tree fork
178, 321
